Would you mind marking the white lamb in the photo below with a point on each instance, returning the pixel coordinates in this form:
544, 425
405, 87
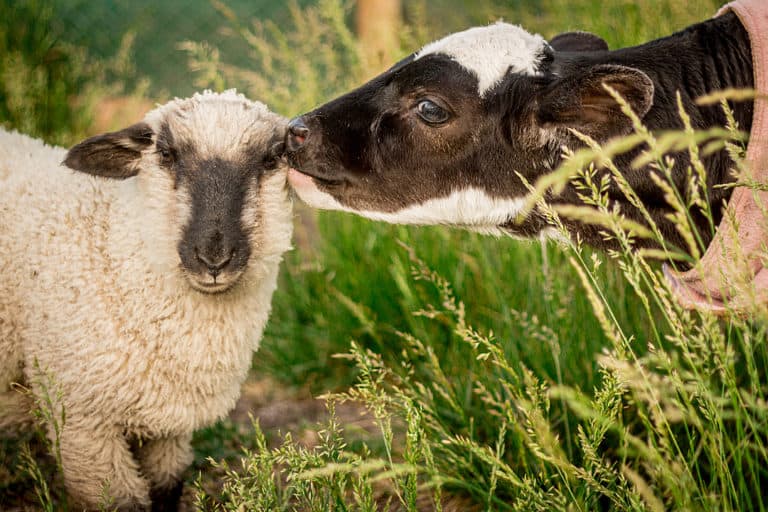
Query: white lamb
141, 297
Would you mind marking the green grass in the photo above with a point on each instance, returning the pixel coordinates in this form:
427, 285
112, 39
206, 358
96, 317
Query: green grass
671, 416
506, 375
352, 284
515, 286
554, 408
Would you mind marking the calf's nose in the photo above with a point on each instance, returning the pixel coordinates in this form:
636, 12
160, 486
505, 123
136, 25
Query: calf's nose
297, 134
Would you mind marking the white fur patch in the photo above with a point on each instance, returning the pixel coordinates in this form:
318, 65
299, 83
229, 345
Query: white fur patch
469, 208
491, 51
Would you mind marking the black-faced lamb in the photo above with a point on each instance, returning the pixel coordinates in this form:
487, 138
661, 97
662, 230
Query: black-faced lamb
135, 303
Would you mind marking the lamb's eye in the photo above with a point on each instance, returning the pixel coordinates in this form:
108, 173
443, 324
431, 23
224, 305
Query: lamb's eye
167, 156
431, 112
269, 162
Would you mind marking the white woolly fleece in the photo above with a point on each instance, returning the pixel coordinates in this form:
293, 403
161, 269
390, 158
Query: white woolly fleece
93, 303
491, 51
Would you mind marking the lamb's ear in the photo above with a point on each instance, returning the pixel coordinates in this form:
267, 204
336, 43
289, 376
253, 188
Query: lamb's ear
274, 153
578, 42
581, 102
268, 157
111, 155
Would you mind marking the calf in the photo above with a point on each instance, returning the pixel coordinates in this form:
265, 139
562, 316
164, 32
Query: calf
444, 136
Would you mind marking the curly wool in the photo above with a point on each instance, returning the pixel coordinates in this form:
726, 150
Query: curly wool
93, 306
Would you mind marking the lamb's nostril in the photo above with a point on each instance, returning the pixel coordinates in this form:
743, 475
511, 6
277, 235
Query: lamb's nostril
215, 264
297, 133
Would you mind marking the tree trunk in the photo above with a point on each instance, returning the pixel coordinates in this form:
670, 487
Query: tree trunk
378, 23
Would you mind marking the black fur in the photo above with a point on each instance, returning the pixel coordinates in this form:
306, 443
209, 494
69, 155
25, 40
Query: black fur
370, 151
167, 499
111, 155
213, 239
581, 102
578, 42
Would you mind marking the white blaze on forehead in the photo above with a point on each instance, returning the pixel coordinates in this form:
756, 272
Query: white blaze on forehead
470, 207
489, 52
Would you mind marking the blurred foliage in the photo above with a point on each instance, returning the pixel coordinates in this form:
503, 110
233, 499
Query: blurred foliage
288, 69
620, 22
49, 87
158, 27
58, 57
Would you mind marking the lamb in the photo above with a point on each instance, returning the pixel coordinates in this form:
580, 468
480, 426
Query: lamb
141, 297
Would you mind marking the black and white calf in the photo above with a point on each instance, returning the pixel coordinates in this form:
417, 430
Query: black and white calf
440, 137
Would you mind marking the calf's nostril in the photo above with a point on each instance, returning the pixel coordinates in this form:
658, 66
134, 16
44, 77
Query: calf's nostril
297, 133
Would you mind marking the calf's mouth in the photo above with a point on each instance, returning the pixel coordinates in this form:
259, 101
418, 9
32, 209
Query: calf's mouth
304, 152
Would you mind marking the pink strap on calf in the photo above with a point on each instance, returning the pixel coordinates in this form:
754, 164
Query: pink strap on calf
733, 269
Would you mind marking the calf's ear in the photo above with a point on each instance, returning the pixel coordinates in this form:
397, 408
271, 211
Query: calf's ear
581, 102
111, 155
578, 42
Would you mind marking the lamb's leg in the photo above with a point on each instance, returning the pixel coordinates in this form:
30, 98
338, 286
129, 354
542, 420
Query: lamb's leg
162, 461
99, 467
16, 404
15, 410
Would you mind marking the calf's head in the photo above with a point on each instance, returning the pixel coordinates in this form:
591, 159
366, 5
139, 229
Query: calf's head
441, 136
206, 184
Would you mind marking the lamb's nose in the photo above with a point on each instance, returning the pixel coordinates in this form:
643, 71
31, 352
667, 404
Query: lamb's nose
297, 134
215, 263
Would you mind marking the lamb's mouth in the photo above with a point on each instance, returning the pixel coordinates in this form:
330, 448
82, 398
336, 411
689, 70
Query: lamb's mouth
213, 285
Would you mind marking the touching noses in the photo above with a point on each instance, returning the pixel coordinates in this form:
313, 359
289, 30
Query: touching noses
215, 254
297, 134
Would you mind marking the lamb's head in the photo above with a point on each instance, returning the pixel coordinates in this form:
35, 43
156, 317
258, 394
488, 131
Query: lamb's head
206, 181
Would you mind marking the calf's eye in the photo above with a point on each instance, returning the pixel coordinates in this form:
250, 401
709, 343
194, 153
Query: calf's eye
431, 112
